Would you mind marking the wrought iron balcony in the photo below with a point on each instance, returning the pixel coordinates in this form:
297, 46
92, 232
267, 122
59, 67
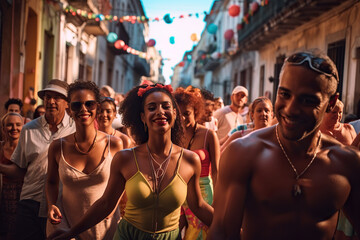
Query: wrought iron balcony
278, 18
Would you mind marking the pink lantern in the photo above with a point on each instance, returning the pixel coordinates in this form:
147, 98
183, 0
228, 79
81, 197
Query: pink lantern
119, 44
151, 43
229, 34
234, 10
254, 7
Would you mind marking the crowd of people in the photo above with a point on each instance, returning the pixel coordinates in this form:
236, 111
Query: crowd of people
168, 164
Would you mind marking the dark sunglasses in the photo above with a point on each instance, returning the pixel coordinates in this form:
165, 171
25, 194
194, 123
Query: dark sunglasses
319, 65
76, 106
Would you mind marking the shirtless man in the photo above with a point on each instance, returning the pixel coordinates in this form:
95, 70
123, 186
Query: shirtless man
331, 125
290, 181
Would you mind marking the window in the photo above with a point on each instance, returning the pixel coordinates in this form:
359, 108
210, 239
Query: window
101, 64
109, 77
81, 65
88, 73
336, 51
262, 80
277, 69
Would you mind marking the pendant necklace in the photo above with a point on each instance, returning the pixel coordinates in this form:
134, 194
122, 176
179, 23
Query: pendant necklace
296, 191
158, 176
160, 171
90, 148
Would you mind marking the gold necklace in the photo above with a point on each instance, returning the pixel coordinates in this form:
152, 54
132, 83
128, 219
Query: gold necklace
296, 191
90, 148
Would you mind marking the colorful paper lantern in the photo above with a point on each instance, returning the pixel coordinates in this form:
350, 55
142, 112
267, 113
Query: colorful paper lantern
99, 17
112, 37
234, 10
229, 34
194, 37
212, 28
254, 7
172, 40
181, 64
168, 19
151, 43
119, 44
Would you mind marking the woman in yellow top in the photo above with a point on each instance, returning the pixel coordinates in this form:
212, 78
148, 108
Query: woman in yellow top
158, 174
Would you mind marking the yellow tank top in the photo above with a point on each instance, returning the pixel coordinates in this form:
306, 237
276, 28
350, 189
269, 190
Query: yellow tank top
142, 209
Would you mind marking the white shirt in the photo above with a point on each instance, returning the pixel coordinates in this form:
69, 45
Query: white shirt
31, 153
227, 120
212, 124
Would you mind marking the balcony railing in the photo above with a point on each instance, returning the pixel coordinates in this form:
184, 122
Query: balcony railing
278, 18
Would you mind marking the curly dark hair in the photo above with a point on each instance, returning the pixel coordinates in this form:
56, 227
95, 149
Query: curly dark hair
132, 107
207, 95
13, 101
83, 85
191, 97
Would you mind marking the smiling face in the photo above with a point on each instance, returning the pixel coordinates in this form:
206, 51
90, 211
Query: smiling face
83, 107
301, 101
55, 104
159, 113
106, 114
188, 115
12, 127
262, 115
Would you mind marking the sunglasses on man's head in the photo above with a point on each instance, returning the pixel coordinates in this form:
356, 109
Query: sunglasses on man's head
76, 106
319, 65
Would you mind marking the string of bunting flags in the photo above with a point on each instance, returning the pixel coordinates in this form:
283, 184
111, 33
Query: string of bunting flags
121, 45
130, 18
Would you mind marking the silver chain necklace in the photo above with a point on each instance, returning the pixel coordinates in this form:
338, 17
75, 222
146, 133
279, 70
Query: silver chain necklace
296, 191
160, 171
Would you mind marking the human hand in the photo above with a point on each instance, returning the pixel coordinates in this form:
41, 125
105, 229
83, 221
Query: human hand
54, 215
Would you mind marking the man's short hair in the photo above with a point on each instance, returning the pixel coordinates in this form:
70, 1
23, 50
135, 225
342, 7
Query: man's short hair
16, 101
333, 78
207, 95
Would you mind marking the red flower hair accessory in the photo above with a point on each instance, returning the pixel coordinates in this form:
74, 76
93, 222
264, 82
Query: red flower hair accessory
143, 90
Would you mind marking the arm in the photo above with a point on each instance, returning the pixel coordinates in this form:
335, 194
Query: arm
194, 199
116, 144
12, 170
52, 183
19, 167
352, 207
214, 150
126, 141
104, 205
230, 193
356, 141
233, 136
